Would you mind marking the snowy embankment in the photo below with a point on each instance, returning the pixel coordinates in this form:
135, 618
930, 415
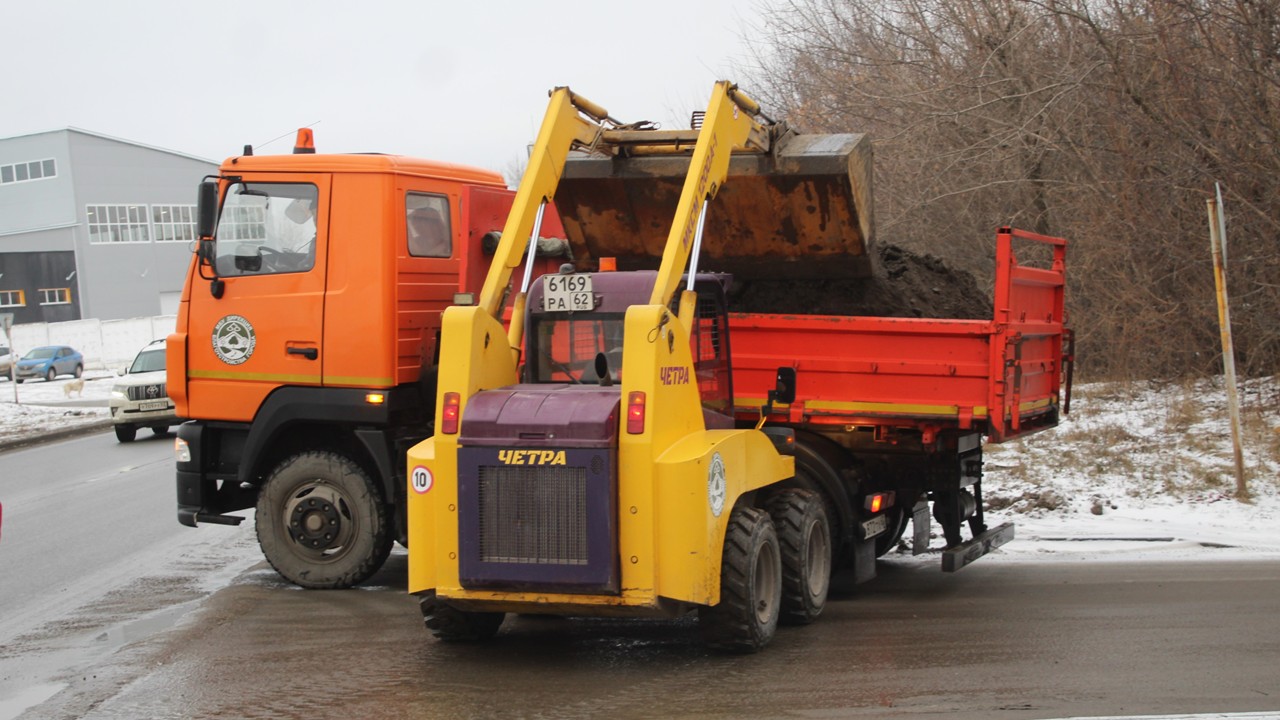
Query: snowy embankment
47, 407
1135, 469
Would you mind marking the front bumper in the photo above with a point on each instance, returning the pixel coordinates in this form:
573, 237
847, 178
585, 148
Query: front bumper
131, 412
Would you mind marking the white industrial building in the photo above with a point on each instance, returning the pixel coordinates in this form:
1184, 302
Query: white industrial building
93, 226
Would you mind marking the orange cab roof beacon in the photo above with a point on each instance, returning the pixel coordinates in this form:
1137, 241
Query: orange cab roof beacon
306, 142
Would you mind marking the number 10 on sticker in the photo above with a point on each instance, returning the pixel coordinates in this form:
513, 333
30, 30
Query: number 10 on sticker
421, 479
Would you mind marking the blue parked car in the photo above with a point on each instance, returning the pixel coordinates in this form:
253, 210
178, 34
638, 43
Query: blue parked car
49, 362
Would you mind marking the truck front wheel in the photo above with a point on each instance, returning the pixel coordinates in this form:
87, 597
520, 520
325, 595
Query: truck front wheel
746, 617
321, 521
805, 541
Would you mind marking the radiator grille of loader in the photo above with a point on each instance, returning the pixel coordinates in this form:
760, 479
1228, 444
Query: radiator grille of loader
533, 515
540, 520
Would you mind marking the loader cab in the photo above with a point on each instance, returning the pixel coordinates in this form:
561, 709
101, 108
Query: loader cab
563, 345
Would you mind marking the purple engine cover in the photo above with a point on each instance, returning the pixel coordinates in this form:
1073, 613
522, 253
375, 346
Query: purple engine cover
541, 415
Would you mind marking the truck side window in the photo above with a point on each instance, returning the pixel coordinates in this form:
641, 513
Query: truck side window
427, 225
267, 228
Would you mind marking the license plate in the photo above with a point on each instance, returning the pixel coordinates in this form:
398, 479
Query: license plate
153, 405
566, 293
874, 527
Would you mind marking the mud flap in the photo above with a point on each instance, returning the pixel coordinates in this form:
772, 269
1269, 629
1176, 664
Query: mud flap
957, 557
921, 525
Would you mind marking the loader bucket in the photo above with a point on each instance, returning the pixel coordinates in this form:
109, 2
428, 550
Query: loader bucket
801, 211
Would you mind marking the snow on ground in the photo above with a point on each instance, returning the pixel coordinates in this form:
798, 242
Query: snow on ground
44, 407
1143, 469
1138, 469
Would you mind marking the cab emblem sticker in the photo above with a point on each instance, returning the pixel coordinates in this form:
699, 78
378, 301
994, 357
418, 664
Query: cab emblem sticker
233, 340
716, 485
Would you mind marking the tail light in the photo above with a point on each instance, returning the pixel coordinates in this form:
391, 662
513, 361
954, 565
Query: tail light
635, 413
879, 501
449, 415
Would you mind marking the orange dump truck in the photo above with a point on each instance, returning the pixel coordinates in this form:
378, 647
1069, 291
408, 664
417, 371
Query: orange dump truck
306, 342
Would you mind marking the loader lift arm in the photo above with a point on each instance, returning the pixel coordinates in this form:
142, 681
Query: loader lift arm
573, 122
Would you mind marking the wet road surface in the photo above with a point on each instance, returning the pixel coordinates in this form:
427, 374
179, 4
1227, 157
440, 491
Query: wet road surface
998, 640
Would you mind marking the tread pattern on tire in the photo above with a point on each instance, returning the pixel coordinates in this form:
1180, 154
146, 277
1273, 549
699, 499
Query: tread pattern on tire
792, 510
453, 625
731, 625
354, 572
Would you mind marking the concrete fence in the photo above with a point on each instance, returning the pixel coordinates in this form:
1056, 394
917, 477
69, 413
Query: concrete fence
104, 343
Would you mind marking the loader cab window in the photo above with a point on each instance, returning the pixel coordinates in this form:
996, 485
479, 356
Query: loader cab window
427, 225
564, 347
709, 343
266, 229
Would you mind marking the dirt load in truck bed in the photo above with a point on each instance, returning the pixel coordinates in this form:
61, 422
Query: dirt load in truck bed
905, 284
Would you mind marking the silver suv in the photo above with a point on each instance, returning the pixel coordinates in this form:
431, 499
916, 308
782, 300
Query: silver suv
140, 399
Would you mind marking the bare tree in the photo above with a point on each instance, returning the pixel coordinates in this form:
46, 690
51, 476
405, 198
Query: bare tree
1106, 121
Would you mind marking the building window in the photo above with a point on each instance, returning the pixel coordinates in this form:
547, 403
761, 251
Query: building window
12, 298
55, 296
173, 223
118, 224
25, 171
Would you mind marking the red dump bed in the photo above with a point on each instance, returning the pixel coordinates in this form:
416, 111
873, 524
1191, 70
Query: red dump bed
1001, 376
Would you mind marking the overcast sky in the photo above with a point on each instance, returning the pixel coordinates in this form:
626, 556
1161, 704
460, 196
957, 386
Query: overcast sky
463, 82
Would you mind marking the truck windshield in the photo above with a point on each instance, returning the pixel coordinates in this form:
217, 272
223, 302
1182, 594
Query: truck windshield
565, 347
267, 228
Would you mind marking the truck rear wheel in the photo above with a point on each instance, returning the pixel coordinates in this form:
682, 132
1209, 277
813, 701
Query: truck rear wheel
321, 521
453, 625
804, 539
746, 617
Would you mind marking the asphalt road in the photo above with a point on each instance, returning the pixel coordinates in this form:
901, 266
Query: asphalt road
995, 641
93, 531
91, 546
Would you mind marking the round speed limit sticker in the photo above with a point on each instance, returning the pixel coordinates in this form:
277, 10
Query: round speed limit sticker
421, 479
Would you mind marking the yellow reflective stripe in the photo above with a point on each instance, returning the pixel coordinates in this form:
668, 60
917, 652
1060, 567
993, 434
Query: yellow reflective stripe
979, 411
891, 408
358, 381
256, 377
281, 378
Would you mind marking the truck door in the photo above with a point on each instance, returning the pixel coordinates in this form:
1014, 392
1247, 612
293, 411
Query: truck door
265, 330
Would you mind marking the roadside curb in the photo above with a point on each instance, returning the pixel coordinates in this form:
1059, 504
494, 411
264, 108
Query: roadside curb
97, 426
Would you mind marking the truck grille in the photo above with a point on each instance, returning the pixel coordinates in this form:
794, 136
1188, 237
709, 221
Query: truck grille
147, 392
533, 515
540, 520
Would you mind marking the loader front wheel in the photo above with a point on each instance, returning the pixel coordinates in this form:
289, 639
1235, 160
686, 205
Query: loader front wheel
746, 618
804, 538
321, 521
453, 625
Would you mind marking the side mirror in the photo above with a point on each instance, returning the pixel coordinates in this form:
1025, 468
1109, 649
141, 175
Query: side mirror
784, 390
206, 209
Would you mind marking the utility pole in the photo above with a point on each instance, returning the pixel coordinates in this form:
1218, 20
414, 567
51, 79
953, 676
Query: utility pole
1218, 245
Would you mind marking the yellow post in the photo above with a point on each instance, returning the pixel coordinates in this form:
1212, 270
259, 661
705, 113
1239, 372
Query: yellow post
1217, 243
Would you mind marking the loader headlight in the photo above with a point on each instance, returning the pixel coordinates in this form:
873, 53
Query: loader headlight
181, 450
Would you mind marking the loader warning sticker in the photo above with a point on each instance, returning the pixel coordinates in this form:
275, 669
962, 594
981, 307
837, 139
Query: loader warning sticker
421, 479
716, 485
233, 340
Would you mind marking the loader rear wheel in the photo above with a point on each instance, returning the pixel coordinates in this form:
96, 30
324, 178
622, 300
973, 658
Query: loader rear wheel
804, 538
321, 521
453, 625
746, 618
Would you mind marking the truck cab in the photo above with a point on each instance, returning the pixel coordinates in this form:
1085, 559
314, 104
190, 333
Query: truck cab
306, 345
